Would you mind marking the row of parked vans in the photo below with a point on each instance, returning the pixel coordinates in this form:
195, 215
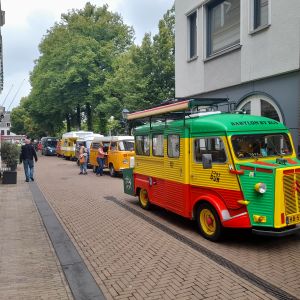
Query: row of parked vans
119, 149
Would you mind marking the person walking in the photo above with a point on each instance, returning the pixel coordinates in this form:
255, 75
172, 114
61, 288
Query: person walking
26, 156
100, 160
83, 158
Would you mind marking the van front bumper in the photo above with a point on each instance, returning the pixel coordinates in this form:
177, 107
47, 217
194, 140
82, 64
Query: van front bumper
279, 232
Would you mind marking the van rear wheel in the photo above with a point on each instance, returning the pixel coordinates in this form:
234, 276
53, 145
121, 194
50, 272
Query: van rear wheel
144, 199
112, 171
209, 222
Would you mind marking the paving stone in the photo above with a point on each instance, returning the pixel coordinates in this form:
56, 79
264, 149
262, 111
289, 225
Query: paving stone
29, 268
127, 249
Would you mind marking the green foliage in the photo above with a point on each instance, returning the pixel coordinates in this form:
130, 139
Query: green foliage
10, 154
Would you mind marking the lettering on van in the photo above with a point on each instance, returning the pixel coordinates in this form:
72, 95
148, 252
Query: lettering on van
215, 176
254, 123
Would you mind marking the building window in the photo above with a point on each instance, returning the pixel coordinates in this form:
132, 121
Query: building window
192, 35
2, 132
173, 145
260, 13
7, 132
158, 145
213, 146
223, 19
7, 124
261, 105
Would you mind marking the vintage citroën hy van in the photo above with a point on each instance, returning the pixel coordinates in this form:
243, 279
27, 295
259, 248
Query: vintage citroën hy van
222, 169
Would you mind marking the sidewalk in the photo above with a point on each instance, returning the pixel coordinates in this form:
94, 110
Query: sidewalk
29, 268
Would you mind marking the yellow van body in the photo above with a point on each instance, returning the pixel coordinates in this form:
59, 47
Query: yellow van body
68, 144
119, 149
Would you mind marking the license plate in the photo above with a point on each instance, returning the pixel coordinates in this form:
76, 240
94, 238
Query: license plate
293, 219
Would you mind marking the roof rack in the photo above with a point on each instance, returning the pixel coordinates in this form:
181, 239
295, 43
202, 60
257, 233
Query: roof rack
175, 108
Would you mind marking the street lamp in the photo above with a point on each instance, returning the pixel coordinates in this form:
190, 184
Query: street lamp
125, 113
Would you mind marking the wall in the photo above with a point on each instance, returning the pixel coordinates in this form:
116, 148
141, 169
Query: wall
273, 51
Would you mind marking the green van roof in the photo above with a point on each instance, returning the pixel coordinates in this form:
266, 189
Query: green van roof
219, 123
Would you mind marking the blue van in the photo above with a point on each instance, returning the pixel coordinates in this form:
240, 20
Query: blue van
49, 145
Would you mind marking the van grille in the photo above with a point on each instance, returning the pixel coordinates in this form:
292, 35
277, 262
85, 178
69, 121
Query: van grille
291, 187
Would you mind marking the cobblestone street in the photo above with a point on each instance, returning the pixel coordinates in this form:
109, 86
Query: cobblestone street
132, 258
131, 253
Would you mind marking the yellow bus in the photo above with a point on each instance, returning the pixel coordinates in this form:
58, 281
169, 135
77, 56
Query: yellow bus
68, 143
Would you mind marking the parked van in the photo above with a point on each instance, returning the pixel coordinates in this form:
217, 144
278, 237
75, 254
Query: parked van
86, 141
119, 150
68, 144
58, 148
225, 170
49, 145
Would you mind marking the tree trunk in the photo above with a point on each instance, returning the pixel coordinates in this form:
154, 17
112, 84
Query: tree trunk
89, 117
102, 123
78, 117
68, 120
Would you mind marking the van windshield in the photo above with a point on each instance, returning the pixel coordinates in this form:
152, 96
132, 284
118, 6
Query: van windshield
51, 143
261, 145
126, 145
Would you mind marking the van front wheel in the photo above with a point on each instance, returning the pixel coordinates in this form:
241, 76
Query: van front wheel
209, 222
144, 199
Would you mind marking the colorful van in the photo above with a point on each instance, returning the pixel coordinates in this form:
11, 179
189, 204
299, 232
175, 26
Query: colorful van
119, 150
68, 143
58, 148
221, 169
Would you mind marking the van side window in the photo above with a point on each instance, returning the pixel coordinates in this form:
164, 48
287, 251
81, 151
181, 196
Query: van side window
113, 146
105, 146
142, 145
213, 146
173, 145
158, 145
95, 146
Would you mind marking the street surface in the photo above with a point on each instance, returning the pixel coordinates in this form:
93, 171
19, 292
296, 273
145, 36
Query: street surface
138, 254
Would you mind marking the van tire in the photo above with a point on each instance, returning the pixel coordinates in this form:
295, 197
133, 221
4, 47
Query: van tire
112, 171
209, 223
144, 199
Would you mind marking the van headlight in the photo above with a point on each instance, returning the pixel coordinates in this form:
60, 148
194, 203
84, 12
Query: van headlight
260, 187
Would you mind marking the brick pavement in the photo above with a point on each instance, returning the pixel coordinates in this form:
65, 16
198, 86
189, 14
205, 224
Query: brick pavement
131, 259
28, 265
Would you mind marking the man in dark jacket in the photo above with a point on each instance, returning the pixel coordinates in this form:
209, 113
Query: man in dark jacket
26, 156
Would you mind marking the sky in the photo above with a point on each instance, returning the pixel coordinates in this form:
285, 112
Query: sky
26, 22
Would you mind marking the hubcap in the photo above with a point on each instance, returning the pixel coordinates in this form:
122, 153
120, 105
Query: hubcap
144, 197
208, 222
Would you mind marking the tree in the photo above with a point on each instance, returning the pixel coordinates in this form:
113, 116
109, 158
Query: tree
76, 57
144, 75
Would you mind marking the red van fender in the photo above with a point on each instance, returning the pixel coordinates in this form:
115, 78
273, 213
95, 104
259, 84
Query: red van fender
240, 220
141, 182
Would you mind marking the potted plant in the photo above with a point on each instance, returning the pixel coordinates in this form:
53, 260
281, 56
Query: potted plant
10, 156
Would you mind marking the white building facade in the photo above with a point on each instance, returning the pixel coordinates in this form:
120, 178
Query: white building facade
245, 50
5, 125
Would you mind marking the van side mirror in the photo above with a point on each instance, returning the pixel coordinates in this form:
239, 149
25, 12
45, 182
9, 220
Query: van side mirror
207, 161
